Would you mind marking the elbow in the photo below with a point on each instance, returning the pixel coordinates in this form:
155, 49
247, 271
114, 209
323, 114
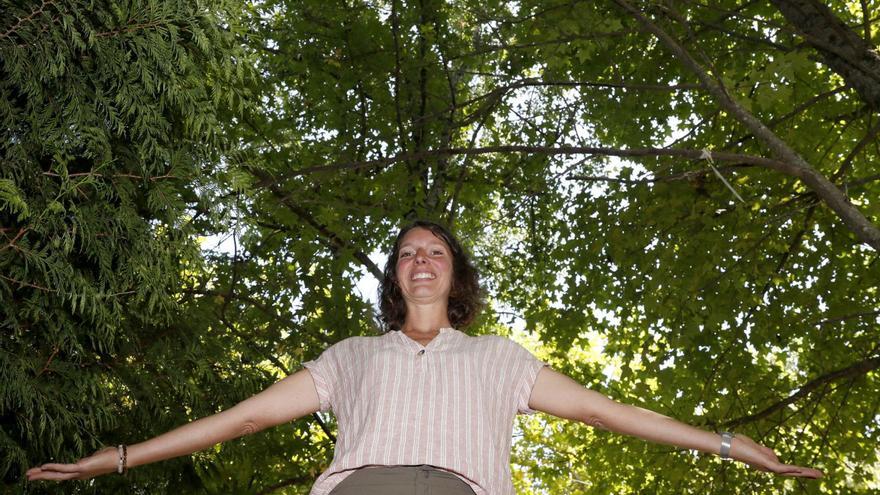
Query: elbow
598, 411
249, 427
591, 415
594, 421
243, 420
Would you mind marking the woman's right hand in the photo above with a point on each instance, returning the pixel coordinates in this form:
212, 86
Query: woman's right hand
762, 458
101, 462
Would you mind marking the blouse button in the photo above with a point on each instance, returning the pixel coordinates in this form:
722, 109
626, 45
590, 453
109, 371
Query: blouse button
421, 352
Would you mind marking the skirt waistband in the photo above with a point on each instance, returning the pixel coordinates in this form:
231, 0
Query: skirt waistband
402, 480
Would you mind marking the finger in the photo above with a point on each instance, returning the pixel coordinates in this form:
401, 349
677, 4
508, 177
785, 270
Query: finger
52, 476
63, 468
801, 472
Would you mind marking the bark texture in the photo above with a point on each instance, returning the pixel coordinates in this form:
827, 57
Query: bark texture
842, 49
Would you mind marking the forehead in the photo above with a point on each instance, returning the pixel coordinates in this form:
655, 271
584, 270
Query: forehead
421, 236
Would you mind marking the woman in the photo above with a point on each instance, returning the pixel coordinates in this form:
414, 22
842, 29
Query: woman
423, 405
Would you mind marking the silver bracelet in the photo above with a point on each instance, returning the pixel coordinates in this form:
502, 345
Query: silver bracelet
122, 466
726, 440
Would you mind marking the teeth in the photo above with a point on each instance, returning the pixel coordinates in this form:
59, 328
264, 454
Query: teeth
419, 276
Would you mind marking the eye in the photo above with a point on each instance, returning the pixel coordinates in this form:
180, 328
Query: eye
405, 254
438, 252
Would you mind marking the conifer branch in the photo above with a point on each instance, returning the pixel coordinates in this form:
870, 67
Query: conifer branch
11, 244
126, 176
265, 309
25, 284
48, 361
21, 20
131, 28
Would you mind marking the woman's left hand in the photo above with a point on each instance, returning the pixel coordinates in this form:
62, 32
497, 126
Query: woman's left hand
746, 450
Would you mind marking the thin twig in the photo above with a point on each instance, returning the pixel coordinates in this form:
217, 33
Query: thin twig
21, 20
128, 176
49, 361
25, 284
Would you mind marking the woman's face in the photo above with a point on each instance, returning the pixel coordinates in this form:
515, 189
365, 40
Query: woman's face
424, 267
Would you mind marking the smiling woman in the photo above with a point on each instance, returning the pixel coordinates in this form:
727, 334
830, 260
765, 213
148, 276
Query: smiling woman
465, 294
423, 408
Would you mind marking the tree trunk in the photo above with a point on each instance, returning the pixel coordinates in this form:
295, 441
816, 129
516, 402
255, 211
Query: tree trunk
844, 51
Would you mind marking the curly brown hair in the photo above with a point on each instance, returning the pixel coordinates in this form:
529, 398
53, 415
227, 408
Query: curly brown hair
465, 296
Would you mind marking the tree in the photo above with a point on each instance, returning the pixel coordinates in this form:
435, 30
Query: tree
677, 202
500, 119
110, 115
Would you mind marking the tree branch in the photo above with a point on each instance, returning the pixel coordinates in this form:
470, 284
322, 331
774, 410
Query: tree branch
837, 319
795, 165
560, 150
21, 20
841, 48
668, 178
858, 369
277, 362
333, 241
395, 34
25, 284
288, 482
863, 180
794, 112
259, 305
867, 139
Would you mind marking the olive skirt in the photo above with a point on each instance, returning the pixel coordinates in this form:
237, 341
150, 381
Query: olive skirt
402, 480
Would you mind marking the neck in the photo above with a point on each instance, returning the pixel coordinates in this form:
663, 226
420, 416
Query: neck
425, 320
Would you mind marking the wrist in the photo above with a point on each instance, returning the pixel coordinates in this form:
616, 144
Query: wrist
103, 461
726, 445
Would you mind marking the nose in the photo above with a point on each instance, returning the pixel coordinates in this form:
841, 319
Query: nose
421, 255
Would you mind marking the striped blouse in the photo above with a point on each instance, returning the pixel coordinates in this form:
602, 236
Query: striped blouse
449, 404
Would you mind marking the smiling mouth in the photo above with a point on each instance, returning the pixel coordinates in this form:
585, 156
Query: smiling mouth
423, 276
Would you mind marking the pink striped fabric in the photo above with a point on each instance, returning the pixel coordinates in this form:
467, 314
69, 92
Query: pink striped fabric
449, 404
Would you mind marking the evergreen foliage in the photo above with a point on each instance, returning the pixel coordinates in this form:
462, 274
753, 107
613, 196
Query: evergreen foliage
110, 115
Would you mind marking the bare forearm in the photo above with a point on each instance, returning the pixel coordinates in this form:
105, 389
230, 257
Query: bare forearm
654, 427
191, 437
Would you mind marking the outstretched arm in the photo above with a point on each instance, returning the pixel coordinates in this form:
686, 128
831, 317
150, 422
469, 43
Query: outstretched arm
290, 398
559, 395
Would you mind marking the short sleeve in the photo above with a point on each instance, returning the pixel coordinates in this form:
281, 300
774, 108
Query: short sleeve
326, 372
527, 367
